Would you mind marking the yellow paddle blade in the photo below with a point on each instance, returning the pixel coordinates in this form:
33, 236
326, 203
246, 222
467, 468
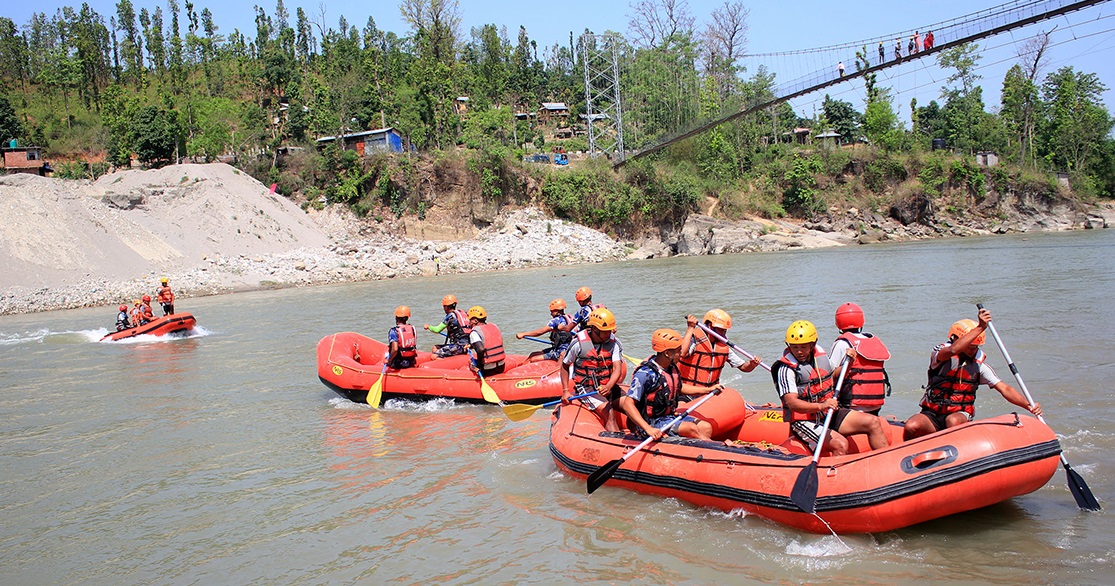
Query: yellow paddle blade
488, 392
376, 393
519, 411
632, 360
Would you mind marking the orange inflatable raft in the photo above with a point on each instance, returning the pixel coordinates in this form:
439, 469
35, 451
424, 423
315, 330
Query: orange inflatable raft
350, 363
160, 326
955, 470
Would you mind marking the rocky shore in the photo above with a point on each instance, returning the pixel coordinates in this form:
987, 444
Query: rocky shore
211, 229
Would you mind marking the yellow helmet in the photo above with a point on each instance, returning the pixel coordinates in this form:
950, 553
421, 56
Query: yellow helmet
964, 326
665, 339
557, 304
163, 280
718, 318
583, 293
801, 332
602, 319
477, 312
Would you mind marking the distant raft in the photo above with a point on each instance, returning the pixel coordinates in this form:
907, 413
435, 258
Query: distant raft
349, 363
954, 470
160, 326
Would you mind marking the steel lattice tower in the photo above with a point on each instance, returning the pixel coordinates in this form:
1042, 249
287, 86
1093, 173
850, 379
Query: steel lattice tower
603, 110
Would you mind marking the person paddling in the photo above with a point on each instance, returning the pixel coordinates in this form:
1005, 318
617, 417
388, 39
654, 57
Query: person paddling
580, 319
557, 327
956, 370
402, 342
456, 326
486, 342
145, 309
594, 362
866, 384
703, 357
652, 399
122, 321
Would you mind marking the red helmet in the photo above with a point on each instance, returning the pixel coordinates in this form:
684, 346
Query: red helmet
123, 308
147, 298
849, 316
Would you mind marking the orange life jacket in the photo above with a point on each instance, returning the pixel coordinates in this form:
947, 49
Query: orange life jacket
165, 295
145, 311
866, 383
704, 365
493, 345
660, 395
954, 389
814, 382
595, 368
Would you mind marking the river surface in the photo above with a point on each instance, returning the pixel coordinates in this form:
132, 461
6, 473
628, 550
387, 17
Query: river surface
221, 459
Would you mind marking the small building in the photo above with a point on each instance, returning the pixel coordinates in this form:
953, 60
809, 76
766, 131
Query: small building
987, 159
829, 139
800, 135
553, 111
460, 105
19, 159
384, 140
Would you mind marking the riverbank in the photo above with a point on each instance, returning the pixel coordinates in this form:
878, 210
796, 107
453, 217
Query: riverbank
211, 229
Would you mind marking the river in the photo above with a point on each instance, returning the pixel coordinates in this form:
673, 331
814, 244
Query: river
221, 459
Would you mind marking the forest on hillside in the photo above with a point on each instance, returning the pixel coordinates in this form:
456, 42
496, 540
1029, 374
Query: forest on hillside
160, 83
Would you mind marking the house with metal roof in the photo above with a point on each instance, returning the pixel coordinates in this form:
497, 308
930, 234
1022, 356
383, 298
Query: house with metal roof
382, 140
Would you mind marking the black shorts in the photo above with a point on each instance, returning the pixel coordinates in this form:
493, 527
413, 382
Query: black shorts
938, 419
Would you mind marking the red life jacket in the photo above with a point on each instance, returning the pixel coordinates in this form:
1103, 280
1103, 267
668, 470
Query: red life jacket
660, 396
459, 335
493, 345
408, 342
954, 389
595, 368
866, 383
165, 295
814, 382
703, 366
145, 311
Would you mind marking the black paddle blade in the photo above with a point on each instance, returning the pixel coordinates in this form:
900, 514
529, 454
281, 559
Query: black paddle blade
1080, 491
602, 474
804, 493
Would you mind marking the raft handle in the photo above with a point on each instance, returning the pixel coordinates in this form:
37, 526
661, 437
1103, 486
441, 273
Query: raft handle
923, 461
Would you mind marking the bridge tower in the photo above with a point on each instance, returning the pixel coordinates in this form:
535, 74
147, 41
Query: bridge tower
603, 109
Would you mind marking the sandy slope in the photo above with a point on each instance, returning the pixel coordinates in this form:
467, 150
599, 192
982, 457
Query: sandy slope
54, 232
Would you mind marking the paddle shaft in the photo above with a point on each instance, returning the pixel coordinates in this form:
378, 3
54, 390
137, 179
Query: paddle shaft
539, 340
1084, 497
605, 472
745, 353
828, 416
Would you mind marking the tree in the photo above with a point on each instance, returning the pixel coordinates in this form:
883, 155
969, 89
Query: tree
1076, 123
963, 104
725, 39
10, 126
154, 133
654, 22
13, 51
844, 118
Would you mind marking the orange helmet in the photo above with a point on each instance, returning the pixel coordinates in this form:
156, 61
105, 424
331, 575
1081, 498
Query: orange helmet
123, 308
849, 316
147, 298
402, 311
477, 312
718, 318
602, 319
137, 301
449, 300
801, 332
964, 326
557, 304
665, 339
583, 293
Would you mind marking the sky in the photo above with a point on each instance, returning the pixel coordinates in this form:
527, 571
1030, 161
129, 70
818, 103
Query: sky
1084, 40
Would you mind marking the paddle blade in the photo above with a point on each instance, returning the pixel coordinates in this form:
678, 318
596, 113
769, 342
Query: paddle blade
488, 392
804, 493
602, 474
1080, 491
376, 392
519, 412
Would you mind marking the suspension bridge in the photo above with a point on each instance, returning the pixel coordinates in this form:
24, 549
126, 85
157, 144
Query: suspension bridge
628, 117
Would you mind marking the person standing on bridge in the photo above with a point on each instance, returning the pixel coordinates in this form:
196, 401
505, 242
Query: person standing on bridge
928, 40
840, 68
917, 41
897, 49
882, 53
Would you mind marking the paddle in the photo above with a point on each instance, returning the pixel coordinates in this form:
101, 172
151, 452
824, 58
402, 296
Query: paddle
521, 411
486, 390
540, 340
1080, 491
605, 472
375, 393
804, 493
745, 353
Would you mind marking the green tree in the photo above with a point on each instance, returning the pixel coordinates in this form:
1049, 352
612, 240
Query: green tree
155, 133
843, 117
964, 100
10, 126
1076, 123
